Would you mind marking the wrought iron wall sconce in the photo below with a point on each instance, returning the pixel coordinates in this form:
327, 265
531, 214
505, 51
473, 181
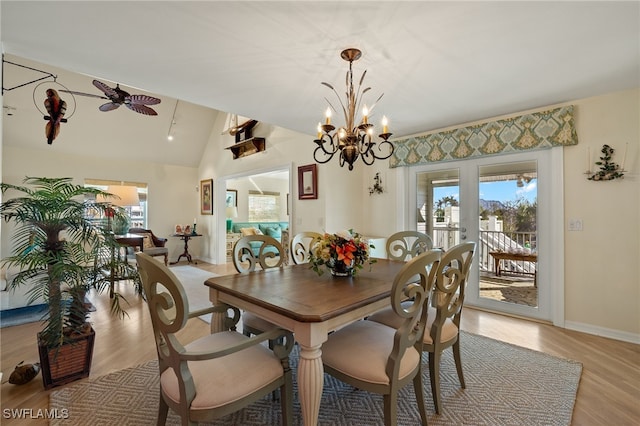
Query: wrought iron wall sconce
608, 169
377, 185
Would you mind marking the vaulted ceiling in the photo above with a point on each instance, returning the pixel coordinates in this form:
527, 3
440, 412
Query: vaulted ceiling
438, 63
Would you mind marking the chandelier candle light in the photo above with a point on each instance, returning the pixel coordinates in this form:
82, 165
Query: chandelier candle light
351, 140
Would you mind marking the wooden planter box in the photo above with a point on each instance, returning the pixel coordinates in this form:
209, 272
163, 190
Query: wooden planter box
68, 363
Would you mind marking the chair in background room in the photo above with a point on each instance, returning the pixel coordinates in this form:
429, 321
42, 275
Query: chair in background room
380, 359
444, 314
153, 246
301, 243
249, 252
405, 245
207, 378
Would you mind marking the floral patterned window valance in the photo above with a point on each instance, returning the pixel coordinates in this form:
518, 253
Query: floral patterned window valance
538, 130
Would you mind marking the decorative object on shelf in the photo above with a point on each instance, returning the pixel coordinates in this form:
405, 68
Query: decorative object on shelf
308, 182
206, 196
343, 253
245, 144
351, 140
377, 185
608, 169
247, 147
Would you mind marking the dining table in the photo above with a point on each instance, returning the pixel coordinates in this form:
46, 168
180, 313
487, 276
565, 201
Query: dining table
310, 305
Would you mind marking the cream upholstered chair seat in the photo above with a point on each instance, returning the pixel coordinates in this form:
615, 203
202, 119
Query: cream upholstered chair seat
210, 374
377, 358
208, 378
374, 340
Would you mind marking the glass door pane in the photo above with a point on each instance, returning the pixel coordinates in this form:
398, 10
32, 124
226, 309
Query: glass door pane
503, 204
438, 212
507, 250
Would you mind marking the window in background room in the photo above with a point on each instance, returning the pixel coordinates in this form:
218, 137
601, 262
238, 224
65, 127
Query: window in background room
136, 209
264, 206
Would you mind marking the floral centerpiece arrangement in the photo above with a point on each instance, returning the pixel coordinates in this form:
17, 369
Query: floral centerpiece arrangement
343, 253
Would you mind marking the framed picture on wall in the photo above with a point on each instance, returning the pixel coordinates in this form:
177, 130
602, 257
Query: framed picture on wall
307, 182
206, 196
231, 198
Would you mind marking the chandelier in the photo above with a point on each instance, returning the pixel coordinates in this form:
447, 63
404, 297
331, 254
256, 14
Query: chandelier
354, 139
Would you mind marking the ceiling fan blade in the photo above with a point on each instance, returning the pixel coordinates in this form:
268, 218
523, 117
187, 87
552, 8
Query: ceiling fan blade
109, 91
109, 106
73, 92
143, 100
142, 109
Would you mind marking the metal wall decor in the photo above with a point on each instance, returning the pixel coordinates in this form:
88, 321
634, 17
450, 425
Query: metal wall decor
608, 169
377, 185
355, 138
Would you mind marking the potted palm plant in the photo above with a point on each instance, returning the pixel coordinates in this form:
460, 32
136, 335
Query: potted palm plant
63, 248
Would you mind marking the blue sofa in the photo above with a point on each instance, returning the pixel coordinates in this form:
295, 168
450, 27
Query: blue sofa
272, 229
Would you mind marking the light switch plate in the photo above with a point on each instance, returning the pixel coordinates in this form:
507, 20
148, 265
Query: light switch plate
575, 224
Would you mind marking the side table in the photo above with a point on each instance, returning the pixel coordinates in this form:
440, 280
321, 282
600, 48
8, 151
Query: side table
185, 253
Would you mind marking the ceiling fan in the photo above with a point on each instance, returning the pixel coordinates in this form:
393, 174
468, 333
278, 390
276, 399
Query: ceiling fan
117, 97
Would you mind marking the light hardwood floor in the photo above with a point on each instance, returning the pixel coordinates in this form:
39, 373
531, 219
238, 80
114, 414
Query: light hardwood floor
609, 391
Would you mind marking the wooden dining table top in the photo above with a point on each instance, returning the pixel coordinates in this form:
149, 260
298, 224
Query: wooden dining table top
299, 293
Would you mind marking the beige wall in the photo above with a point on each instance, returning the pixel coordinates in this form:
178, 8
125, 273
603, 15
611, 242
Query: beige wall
172, 189
602, 262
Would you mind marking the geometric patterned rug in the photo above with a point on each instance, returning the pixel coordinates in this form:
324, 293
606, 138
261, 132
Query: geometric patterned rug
506, 385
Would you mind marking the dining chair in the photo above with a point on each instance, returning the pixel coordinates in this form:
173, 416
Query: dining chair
380, 359
301, 243
405, 245
249, 252
444, 314
207, 378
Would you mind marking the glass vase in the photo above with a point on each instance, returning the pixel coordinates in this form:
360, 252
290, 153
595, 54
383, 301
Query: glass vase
340, 269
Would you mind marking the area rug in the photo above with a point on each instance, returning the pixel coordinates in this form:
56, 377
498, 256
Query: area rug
506, 385
23, 315
192, 280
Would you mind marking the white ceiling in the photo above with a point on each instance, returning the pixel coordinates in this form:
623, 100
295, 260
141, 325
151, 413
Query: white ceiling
438, 63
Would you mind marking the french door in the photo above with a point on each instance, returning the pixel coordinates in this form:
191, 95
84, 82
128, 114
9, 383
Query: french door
504, 204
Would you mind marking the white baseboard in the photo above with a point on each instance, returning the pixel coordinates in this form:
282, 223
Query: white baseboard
604, 332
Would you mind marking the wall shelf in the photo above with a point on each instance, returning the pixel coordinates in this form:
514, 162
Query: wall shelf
247, 147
